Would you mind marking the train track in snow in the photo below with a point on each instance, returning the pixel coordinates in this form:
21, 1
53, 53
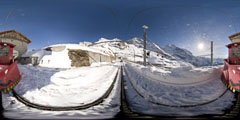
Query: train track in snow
178, 84
86, 106
126, 112
184, 106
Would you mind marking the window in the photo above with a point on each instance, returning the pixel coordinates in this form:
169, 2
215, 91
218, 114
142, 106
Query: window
2, 40
236, 51
3, 51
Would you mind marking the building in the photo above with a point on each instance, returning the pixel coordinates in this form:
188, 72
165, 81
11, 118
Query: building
235, 37
74, 55
80, 57
16, 38
234, 49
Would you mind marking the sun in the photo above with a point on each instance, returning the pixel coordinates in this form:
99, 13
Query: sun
200, 46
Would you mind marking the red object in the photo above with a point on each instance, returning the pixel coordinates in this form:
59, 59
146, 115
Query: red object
231, 70
9, 73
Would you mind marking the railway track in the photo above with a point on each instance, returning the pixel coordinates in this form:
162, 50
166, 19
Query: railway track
126, 112
42, 107
177, 106
179, 84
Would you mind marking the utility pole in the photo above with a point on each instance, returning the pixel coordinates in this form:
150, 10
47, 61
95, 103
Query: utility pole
144, 49
211, 53
134, 51
134, 55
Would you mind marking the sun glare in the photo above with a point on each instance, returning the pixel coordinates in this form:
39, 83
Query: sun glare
200, 46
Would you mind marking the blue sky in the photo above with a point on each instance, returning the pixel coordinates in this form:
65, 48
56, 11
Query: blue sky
185, 23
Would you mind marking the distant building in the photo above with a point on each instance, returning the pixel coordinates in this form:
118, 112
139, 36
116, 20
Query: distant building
16, 38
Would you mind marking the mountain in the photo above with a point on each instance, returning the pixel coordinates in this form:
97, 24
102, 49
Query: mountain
138, 42
132, 46
133, 50
185, 55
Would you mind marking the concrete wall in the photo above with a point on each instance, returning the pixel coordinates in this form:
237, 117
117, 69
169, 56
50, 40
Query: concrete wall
58, 48
86, 58
79, 58
97, 57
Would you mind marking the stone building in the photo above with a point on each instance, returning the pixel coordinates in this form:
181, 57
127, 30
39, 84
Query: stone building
16, 38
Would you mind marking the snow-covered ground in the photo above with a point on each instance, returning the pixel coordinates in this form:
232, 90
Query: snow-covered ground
180, 86
65, 87
170, 79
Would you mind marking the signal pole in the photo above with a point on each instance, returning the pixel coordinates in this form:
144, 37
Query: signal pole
144, 49
211, 53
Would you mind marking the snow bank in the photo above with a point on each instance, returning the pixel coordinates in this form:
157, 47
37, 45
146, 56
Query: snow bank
14, 109
56, 60
176, 87
176, 74
65, 88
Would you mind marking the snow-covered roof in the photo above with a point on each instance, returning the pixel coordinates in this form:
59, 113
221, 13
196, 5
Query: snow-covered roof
86, 48
25, 39
235, 37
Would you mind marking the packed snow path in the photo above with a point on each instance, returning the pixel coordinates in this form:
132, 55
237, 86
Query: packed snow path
148, 85
44, 92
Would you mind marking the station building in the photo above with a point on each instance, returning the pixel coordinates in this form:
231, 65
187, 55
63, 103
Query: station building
19, 40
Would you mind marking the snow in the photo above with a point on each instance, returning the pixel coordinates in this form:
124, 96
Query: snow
73, 83
60, 59
37, 53
133, 47
101, 40
56, 60
173, 77
179, 86
65, 87
177, 75
150, 46
182, 54
86, 48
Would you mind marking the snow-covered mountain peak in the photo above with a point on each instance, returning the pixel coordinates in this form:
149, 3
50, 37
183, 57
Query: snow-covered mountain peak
108, 40
138, 42
173, 49
171, 45
187, 56
135, 40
